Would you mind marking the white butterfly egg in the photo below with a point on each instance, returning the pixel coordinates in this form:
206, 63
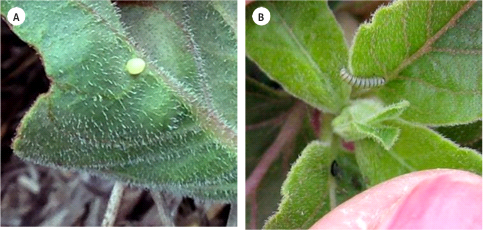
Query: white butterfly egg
135, 66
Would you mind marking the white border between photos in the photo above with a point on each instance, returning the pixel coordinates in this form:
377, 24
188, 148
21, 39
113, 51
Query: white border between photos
241, 115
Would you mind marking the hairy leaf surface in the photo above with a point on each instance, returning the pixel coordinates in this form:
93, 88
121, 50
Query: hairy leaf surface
306, 191
172, 127
430, 54
418, 148
303, 49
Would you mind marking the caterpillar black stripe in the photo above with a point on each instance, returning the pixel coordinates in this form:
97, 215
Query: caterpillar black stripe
361, 82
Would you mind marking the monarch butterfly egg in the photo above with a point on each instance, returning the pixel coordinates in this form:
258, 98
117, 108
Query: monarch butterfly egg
361, 82
135, 66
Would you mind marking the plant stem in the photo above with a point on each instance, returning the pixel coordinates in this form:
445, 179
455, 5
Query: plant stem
163, 209
327, 136
332, 192
326, 132
288, 132
254, 211
113, 204
232, 216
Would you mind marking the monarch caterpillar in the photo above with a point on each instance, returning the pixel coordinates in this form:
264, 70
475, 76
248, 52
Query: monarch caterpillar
361, 82
135, 66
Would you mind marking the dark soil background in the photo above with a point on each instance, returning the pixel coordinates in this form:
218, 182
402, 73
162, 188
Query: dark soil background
33, 195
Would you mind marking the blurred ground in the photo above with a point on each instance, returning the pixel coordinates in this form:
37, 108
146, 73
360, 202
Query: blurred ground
33, 195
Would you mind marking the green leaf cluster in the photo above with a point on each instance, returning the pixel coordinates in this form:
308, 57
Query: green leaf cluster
428, 52
363, 119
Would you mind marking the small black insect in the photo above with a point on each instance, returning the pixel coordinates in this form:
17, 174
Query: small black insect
334, 169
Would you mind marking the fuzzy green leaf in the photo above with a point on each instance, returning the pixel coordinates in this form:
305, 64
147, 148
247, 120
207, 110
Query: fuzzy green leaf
302, 48
306, 191
384, 135
344, 182
430, 54
417, 148
363, 119
171, 127
465, 134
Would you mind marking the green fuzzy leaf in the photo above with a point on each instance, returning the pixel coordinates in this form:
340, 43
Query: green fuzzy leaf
389, 112
430, 54
308, 183
418, 148
171, 127
306, 191
363, 119
466, 134
302, 48
264, 103
384, 135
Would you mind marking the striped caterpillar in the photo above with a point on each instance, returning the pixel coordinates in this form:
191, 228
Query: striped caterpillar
361, 82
